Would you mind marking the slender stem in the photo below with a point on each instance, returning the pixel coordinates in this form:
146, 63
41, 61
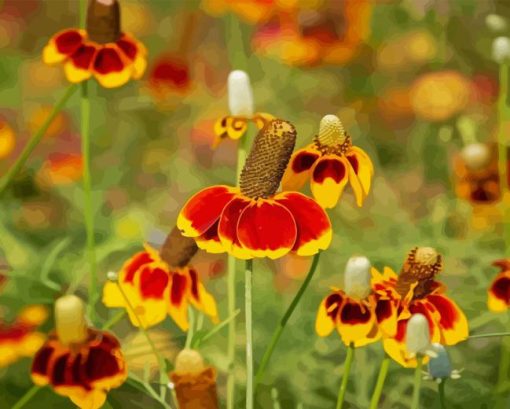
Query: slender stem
249, 334
442, 398
88, 205
490, 335
26, 397
191, 330
345, 377
113, 320
35, 139
231, 347
504, 117
217, 328
283, 322
383, 371
417, 384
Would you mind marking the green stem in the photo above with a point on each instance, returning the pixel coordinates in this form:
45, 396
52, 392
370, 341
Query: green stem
279, 330
415, 404
490, 335
345, 377
504, 117
191, 329
35, 139
231, 346
88, 205
113, 320
442, 398
26, 397
383, 371
249, 334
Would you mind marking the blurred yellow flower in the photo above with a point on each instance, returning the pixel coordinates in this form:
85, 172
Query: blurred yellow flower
7, 139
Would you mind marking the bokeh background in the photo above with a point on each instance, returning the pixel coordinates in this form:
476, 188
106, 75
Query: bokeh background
413, 81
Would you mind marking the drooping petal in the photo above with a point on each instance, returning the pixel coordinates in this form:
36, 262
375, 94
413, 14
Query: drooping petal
453, 324
78, 67
362, 165
386, 315
299, 168
327, 314
329, 178
230, 127
227, 228
357, 188
266, 229
210, 241
178, 303
40, 365
62, 45
357, 323
499, 293
200, 298
203, 210
135, 52
111, 68
314, 231
261, 119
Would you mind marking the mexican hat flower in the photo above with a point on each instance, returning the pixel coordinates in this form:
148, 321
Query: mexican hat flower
355, 311
21, 338
101, 51
330, 162
161, 283
240, 101
254, 220
79, 362
499, 291
420, 293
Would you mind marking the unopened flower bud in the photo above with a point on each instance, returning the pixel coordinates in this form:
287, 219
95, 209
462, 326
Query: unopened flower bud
476, 156
240, 96
189, 361
501, 50
417, 335
70, 322
496, 23
112, 276
357, 277
440, 366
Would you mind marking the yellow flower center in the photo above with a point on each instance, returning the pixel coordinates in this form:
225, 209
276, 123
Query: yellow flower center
331, 131
70, 322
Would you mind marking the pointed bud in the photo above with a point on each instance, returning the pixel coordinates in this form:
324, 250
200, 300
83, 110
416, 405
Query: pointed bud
70, 322
440, 366
357, 277
496, 23
476, 156
240, 96
501, 50
417, 335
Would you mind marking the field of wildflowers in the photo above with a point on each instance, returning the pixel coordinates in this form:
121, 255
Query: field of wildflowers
254, 204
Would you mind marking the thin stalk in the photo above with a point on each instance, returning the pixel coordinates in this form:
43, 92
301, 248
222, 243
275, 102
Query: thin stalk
415, 403
490, 335
88, 204
383, 371
114, 320
345, 377
249, 334
231, 345
26, 397
279, 330
504, 118
442, 398
191, 329
35, 139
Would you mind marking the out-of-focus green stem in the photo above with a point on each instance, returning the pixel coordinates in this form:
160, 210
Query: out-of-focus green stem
345, 377
504, 120
114, 320
191, 329
490, 335
26, 397
415, 403
35, 139
383, 371
442, 397
249, 333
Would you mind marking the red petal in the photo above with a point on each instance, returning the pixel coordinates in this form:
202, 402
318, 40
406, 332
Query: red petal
83, 56
128, 47
134, 264
153, 282
68, 41
353, 313
178, 289
303, 161
107, 61
329, 168
227, 228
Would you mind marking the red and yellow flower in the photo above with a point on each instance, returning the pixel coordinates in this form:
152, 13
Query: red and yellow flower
357, 312
101, 51
170, 75
79, 362
7, 139
499, 291
253, 220
61, 169
330, 162
21, 339
419, 293
158, 284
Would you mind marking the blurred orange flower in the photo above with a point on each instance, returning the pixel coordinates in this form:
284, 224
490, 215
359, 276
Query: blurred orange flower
40, 114
499, 291
60, 169
170, 74
7, 139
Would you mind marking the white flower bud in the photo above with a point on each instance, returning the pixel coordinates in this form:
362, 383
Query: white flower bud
357, 277
240, 96
70, 322
496, 23
417, 335
501, 49
476, 156
112, 276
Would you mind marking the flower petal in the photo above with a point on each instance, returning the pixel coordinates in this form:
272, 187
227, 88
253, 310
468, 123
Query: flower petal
261, 119
203, 209
499, 293
386, 315
452, 323
328, 313
362, 166
299, 168
111, 68
227, 228
200, 298
266, 229
356, 323
329, 177
62, 45
135, 52
78, 67
314, 231
210, 241
178, 304
230, 127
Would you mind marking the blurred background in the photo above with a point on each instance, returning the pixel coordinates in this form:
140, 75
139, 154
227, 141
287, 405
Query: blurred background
415, 85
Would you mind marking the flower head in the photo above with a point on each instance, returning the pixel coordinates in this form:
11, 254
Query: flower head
499, 292
240, 103
20, 338
102, 50
357, 312
330, 162
160, 283
79, 362
254, 220
420, 293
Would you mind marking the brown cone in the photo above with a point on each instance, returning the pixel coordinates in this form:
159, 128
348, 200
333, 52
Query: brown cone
196, 390
103, 22
268, 159
178, 250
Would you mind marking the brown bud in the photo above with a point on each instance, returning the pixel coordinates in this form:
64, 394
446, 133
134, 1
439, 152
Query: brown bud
103, 21
421, 266
267, 160
178, 250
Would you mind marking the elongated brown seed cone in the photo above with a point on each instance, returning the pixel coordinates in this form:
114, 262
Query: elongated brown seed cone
194, 382
178, 250
268, 159
421, 266
103, 21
